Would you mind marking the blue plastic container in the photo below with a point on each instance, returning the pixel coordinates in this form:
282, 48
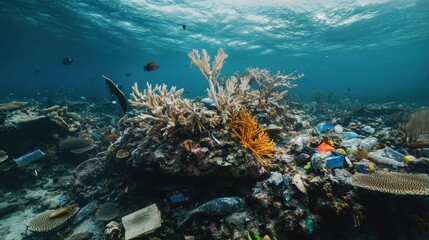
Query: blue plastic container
321, 127
334, 161
29, 158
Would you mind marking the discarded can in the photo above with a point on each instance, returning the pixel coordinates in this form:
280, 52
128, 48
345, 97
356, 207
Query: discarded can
29, 158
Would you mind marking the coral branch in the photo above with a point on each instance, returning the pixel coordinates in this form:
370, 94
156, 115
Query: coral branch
245, 127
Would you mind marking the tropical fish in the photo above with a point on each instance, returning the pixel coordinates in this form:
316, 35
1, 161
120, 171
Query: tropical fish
151, 66
218, 206
68, 61
117, 92
128, 75
184, 27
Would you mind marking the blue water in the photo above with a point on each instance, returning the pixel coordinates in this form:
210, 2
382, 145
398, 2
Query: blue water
379, 49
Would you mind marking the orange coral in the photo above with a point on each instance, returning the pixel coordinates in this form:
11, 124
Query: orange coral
246, 128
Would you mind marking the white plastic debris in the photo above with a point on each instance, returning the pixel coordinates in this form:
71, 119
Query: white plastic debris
141, 222
297, 181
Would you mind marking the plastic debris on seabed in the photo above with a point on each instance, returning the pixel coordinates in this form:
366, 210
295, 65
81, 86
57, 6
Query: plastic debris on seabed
29, 158
334, 161
142, 222
178, 197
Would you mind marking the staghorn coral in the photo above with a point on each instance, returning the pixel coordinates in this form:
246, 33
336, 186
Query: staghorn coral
394, 183
44, 223
168, 110
268, 84
245, 127
417, 126
228, 98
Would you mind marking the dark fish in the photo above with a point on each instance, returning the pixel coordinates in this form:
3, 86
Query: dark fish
184, 27
348, 89
151, 66
37, 71
128, 75
187, 91
117, 92
68, 61
218, 206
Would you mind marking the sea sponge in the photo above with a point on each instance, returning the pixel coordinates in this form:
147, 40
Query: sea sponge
107, 212
394, 183
44, 223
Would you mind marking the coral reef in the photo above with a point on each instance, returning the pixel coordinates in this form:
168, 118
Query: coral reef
394, 183
252, 137
168, 110
44, 222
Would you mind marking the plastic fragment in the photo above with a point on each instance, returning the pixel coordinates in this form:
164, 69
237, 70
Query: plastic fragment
29, 158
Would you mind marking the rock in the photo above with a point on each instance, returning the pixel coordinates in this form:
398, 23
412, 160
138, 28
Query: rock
113, 231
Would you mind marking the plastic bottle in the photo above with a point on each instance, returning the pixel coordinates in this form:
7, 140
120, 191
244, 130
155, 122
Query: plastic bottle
377, 156
368, 143
355, 142
394, 154
368, 129
349, 135
29, 158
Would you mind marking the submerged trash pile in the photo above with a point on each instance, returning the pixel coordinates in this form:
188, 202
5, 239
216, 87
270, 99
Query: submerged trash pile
242, 163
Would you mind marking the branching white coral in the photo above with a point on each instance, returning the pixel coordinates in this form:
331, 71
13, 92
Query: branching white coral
168, 110
268, 85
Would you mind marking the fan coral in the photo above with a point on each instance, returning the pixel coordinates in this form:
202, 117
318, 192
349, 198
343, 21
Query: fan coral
394, 183
417, 125
44, 223
168, 110
245, 127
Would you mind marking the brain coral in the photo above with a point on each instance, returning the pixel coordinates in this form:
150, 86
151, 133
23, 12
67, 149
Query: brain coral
44, 223
394, 183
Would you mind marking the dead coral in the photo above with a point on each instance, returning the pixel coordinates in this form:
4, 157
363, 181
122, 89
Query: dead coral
417, 125
168, 110
252, 137
394, 183
269, 85
228, 99
11, 106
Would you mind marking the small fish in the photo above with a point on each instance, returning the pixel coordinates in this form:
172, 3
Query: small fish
67, 61
348, 89
128, 75
218, 206
151, 66
184, 27
187, 91
36, 71
35, 173
61, 212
